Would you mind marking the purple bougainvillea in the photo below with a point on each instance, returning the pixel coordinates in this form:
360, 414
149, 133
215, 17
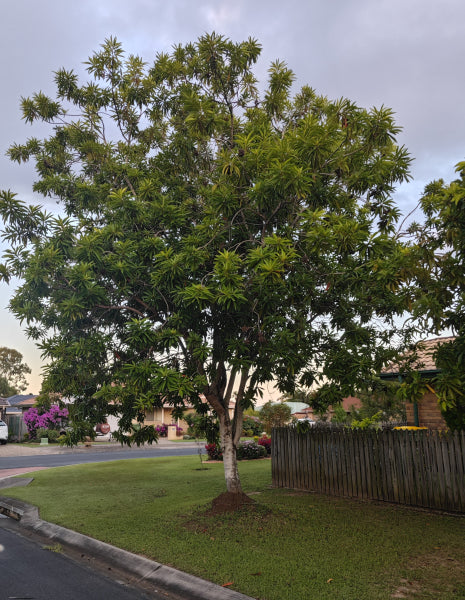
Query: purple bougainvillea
50, 419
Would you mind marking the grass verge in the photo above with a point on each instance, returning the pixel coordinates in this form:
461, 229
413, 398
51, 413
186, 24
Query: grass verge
290, 545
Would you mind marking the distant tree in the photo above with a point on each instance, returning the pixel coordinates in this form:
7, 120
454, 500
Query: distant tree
203, 426
441, 282
6, 390
211, 239
340, 415
381, 397
275, 415
252, 412
13, 372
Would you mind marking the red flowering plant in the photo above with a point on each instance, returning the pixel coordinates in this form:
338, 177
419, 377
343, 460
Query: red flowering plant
214, 452
265, 441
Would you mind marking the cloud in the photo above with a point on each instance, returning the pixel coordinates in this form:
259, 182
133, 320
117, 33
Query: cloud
221, 15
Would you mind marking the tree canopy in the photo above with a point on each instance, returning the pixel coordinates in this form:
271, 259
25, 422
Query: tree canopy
275, 415
440, 306
13, 372
212, 237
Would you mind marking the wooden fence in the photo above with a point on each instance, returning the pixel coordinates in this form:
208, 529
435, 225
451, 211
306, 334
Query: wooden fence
16, 427
418, 468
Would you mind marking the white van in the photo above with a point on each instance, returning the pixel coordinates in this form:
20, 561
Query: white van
3, 432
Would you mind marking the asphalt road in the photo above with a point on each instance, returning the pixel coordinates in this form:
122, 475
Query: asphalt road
40, 560
90, 455
30, 570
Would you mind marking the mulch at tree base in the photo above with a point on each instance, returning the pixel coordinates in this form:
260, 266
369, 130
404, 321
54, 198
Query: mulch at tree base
229, 502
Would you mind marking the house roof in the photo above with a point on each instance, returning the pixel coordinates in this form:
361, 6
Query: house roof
28, 402
13, 400
16, 403
21, 399
424, 361
295, 407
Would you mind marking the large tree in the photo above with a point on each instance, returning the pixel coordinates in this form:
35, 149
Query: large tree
13, 372
212, 238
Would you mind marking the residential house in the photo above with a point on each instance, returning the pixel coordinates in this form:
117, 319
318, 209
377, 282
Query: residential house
17, 405
307, 412
425, 412
164, 416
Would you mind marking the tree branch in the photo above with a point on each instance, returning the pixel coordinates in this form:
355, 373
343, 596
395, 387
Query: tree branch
121, 307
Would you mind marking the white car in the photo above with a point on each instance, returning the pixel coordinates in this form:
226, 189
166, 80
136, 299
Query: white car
3, 432
310, 422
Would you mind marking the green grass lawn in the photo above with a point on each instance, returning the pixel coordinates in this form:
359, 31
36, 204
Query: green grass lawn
290, 545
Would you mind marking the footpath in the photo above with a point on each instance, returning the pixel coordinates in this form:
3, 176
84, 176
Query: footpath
132, 569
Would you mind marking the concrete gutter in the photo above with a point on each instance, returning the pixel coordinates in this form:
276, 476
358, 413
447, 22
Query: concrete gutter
141, 570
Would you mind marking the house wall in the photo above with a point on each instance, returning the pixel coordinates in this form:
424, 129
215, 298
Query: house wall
429, 414
163, 416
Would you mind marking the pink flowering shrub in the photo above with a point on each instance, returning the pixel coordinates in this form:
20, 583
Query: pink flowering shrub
50, 419
162, 430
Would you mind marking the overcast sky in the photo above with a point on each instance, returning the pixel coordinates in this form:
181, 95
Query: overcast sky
405, 54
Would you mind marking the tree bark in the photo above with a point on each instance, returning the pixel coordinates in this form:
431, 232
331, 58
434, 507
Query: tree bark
231, 472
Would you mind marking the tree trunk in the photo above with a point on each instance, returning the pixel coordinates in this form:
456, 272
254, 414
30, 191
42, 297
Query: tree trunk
234, 498
231, 473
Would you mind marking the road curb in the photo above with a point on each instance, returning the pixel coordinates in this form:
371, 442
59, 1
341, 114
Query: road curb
140, 568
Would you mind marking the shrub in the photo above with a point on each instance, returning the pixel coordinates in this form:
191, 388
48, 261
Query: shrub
245, 451
214, 452
251, 426
49, 419
41, 432
53, 435
265, 441
250, 450
162, 430
368, 423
